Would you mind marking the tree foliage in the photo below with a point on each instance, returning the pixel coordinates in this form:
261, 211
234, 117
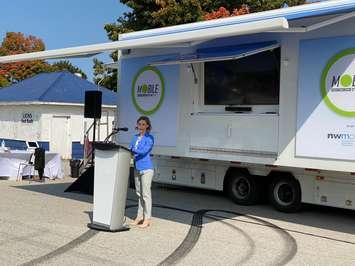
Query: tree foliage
148, 14
66, 65
17, 43
105, 77
263, 5
222, 12
3, 82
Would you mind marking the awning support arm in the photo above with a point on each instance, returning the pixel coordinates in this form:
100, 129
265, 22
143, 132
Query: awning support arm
194, 73
215, 59
318, 25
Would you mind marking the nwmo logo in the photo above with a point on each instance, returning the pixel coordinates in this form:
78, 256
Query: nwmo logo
341, 136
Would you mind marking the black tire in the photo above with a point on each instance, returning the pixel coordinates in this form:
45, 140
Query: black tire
285, 194
242, 188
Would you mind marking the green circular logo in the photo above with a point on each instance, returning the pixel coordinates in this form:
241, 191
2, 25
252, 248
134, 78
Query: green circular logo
338, 83
148, 90
346, 81
145, 88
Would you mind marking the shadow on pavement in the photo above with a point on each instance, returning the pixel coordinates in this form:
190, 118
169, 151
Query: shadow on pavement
178, 204
56, 189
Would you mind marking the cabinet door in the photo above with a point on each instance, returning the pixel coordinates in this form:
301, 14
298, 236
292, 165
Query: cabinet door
174, 175
204, 179
335, 194
243, 133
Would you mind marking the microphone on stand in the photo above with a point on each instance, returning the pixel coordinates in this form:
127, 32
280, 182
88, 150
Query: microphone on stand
122, 129
115, 131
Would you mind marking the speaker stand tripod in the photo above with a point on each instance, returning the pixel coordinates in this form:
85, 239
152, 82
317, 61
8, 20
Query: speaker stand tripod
93, 143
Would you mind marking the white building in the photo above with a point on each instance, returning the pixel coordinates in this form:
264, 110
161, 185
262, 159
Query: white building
49, 108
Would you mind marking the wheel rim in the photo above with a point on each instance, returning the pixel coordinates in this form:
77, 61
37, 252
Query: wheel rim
241, 188
284, 194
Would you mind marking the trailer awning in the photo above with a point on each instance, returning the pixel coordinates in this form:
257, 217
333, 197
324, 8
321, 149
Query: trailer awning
188, 34
172, 39
219, 54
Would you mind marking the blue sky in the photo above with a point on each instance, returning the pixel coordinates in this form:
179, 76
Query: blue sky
61, 24
64, 23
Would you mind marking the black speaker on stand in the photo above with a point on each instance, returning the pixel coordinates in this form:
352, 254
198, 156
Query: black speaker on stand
93, 102
92, 109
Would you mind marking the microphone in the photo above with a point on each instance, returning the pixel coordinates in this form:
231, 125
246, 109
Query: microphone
115, 131
121, 129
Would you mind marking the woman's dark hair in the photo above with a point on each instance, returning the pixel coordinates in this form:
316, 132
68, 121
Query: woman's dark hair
147, 120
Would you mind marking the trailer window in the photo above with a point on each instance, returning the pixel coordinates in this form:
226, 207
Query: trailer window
253, 80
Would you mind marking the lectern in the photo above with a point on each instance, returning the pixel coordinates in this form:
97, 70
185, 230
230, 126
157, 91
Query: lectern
111, 175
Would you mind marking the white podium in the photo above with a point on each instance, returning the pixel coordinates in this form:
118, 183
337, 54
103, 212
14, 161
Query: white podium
111, 175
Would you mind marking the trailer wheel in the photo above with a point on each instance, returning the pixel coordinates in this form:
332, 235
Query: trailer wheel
285, 194
242, 188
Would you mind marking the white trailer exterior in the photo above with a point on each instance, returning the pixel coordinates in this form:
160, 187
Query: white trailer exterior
254, 152
298, 150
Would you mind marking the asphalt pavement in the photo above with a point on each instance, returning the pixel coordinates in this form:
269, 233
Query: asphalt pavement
42, 225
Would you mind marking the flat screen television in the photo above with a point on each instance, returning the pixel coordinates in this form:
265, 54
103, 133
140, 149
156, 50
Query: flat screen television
252, 80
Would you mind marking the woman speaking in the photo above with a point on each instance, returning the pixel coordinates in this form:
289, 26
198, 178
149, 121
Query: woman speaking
141, 146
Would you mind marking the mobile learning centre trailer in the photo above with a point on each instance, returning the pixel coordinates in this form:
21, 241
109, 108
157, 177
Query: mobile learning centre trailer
256, 104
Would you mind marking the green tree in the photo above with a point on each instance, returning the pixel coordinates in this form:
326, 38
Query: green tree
16, 43
66, 65
105, 77
3, 82
148, 14
262, 5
